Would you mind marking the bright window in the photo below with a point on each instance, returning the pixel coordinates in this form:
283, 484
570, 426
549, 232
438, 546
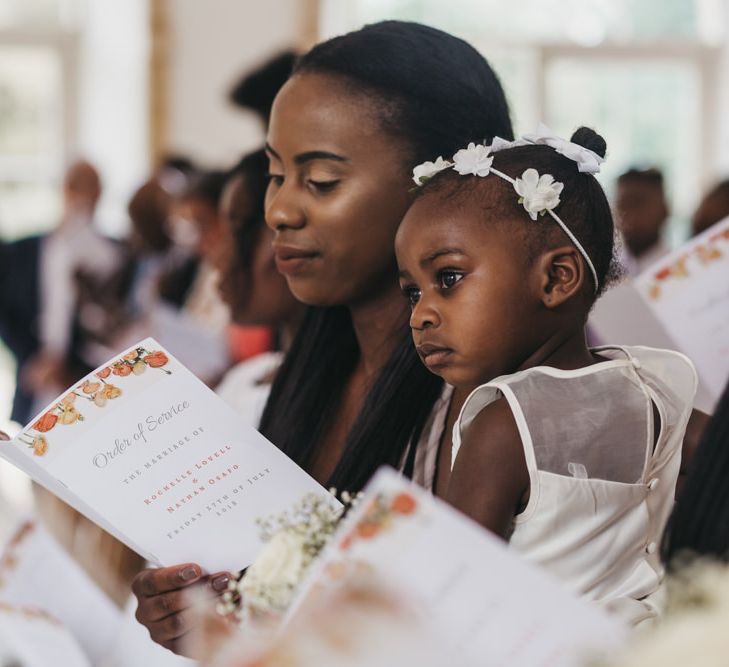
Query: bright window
644, 74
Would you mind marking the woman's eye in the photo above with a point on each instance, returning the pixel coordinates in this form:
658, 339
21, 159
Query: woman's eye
323, 186
412, 294
276, 179
448, 279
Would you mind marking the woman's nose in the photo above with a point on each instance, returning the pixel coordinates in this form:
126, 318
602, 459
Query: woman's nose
283, 211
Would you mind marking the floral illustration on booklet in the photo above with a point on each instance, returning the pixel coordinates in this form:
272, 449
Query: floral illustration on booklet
379, 516
96, 389
705, 253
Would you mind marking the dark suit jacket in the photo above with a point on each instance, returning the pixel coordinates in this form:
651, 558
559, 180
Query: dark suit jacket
20, 309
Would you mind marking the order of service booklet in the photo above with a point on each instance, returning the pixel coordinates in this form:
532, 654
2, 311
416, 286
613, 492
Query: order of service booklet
148, 452
487, 605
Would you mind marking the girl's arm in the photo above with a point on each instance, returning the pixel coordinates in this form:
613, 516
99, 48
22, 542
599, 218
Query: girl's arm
490, 480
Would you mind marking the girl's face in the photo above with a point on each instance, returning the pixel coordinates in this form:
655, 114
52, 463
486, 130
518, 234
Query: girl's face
473, 313
257, 294
338, 190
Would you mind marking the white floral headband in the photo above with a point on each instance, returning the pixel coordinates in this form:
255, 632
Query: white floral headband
538, 194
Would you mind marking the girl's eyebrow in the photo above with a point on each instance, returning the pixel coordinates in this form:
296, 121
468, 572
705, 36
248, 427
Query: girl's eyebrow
429, 259
308, 156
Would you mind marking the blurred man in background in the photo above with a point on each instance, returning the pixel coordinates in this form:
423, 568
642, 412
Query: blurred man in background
43, 318
642, 214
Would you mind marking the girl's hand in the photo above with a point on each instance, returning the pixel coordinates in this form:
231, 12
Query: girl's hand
4, 436
162, 601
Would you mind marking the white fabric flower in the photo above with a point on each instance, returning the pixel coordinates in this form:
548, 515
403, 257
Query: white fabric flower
537, 193
588, 162
280, 562
427, 170
476, 160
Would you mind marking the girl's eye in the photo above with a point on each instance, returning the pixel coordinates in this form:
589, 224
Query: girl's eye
412, 294
276, 179
323, 186
449, 278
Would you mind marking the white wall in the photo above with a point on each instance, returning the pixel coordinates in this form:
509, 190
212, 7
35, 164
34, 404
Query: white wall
211, 43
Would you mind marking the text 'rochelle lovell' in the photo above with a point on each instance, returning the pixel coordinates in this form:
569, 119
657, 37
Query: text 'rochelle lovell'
193, 474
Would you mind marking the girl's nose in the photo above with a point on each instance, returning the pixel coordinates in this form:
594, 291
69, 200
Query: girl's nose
423, 315
283, 211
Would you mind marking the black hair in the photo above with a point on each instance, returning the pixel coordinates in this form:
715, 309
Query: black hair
257, 90
252, 168
650, 176
717, 202
583, 206
208, 186
434, 91
699, 525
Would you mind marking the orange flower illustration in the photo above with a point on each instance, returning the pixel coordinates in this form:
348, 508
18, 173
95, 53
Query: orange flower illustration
367, 529
156, 359
68, 399
89, 387
94, 389
111, 391
121, 369
403, 503
70, 415
46, 422
40, 445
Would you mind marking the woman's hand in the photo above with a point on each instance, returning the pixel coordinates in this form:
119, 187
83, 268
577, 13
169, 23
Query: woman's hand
163, 606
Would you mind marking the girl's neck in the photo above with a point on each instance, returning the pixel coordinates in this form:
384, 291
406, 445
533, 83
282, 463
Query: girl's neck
377, 324
564, 350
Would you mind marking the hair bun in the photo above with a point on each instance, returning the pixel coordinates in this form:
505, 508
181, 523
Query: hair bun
590, 139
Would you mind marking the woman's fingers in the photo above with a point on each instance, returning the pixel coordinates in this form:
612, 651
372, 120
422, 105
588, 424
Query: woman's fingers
162, 580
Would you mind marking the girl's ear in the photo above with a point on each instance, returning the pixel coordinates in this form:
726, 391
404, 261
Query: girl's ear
561, 275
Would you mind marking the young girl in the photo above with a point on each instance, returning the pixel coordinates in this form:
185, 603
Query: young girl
570, 453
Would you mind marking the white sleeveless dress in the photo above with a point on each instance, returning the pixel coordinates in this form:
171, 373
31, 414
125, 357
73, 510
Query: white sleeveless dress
601, 493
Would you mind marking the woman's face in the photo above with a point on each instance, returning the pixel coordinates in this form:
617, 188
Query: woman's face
338, 190
257, 293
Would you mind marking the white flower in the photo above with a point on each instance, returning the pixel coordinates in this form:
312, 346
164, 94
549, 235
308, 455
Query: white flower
427, 170
281, 561
537, 193
476, 160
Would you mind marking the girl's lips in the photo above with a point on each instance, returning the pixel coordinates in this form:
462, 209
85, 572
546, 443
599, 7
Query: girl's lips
434, 355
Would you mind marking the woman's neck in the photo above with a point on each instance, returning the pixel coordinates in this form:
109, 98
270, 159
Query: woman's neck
377, 324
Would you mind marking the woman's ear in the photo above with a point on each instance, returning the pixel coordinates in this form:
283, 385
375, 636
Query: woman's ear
561, 275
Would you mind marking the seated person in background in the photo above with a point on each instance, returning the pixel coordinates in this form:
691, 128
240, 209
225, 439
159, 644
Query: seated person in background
193, 287
256, 90
712, 208
256, 292
699, 525
642, 212
43, 324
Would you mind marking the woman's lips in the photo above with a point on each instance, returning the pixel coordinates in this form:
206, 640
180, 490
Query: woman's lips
291, 260
434, 355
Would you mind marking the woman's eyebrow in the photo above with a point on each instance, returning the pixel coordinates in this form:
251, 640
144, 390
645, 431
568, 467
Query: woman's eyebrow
302, 158
308, 156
